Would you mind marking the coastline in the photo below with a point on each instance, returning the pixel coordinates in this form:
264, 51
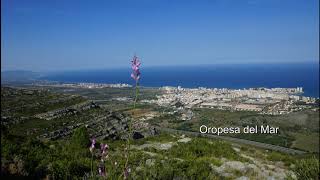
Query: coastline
125, 85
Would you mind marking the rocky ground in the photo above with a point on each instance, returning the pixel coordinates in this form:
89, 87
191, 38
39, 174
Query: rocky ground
254, 167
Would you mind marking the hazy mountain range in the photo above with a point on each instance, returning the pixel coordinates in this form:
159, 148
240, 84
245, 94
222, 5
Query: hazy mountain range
19, 76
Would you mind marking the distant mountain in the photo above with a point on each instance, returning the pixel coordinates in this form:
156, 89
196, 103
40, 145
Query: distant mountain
19, 76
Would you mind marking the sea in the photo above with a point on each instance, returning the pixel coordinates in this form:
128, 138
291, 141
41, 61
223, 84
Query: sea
233, 76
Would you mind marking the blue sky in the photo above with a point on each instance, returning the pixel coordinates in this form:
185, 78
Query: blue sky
82, 34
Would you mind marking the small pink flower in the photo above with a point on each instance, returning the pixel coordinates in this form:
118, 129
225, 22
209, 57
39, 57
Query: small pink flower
101, 171
104, 148
93, 142
127, 172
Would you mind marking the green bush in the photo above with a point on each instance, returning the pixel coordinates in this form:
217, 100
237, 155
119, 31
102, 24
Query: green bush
78, 168
276, 156
307, 168
177, 169
80, 137
199, 170
200, 147
59, 170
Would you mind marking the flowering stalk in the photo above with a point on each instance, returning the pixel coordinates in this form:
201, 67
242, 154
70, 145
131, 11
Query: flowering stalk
104, 155
135, 65
93, 142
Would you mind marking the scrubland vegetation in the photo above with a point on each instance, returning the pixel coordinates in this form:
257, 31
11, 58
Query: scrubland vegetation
163, 156
71, 158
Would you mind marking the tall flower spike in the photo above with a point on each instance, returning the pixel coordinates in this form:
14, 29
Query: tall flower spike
135, 64
93, 142
104, 148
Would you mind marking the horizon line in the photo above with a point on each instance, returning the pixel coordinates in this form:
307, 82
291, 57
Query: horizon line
158, 66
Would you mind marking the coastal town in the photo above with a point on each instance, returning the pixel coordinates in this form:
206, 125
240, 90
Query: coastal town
273, 101
81, 85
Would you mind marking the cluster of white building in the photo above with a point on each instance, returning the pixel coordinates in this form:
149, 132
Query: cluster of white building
101, 85
253, 99
91, 85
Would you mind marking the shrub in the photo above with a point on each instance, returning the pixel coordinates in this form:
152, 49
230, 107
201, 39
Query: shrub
78, 169
276, 156
200, 147
198, 170
80, 137
307, 168
59, 169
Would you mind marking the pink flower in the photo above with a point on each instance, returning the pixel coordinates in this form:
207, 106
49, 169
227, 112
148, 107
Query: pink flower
104, 148
104, 151
93, 142
126, 172
102, 171
135, 64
